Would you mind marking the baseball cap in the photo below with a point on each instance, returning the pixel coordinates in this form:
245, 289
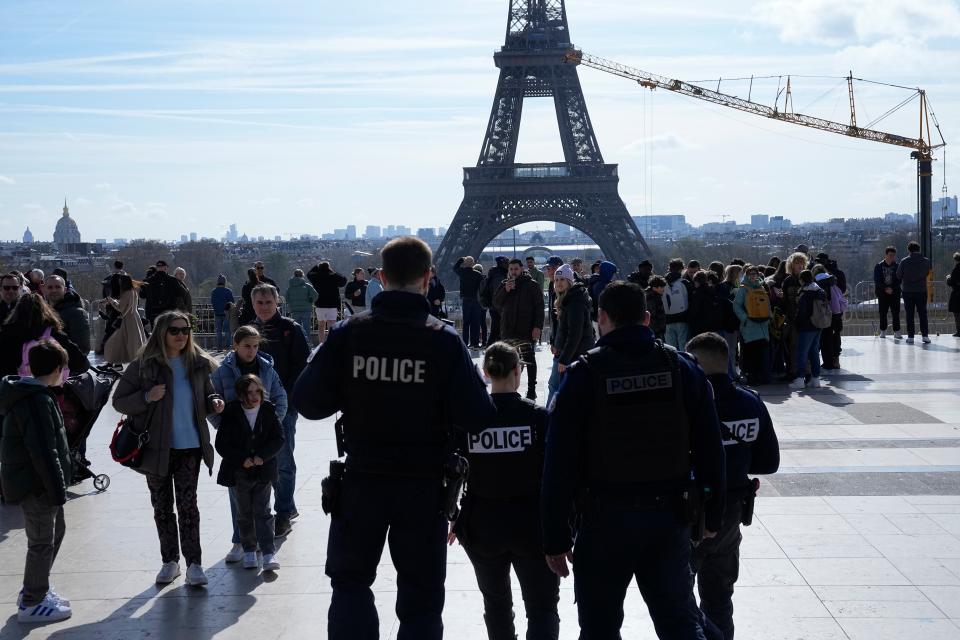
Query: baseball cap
554, 261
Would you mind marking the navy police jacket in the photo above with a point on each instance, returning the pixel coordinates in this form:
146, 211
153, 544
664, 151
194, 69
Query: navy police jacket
570, 416
749, 441
402, 379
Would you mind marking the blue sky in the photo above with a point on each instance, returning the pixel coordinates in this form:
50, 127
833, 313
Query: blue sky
161, 118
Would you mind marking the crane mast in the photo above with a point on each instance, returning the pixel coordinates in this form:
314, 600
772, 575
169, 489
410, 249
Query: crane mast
922, 146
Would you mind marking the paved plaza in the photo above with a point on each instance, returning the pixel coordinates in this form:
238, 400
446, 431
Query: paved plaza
858, 536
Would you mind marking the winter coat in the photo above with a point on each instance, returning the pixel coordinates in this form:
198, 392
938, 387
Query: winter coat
913, 272
356, 293
124, 343
224, 379
236, 442
13, 337
374, 286
76, 323
130, 398
658, 317
327, 282
436, 292
885, 275
285, 343
954, 305
219, 298
706, 311
607, 271
34, 453
805, 307
470, 280
574, 327
750, 330
165, 293
521, 310
300, 296
492, 281
791, 296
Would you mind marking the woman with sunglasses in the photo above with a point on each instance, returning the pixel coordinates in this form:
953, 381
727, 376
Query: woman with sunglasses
167, 391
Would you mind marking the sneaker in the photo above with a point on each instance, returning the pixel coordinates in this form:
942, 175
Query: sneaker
814, 383
50, 609
168, 572
926, 339
282, 527
270, 562
235, 554
797, 383
250, 560
956, 335
294, 515
897, 335
51, 592
910, 340
195, 576
884, 333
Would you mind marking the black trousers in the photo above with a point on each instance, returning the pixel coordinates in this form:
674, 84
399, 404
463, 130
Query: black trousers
528, 356
755, 362
830, 342
494, 334
891, 303
716, 561
918, 302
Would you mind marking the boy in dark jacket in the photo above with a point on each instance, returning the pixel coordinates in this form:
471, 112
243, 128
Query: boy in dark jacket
249, 439
35, 468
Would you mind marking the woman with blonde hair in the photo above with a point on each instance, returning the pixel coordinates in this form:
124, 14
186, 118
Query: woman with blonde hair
125, 342
167, 391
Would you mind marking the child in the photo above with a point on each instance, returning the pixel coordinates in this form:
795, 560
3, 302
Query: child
35, 473
249, 439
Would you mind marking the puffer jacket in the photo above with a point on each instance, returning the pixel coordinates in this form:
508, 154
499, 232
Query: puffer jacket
34, 454
521, 309
750, 330
76, 324
225, 377
574, 327
129, 398
300, 296
236, 442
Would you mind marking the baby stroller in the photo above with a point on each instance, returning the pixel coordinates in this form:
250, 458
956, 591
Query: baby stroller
81, 399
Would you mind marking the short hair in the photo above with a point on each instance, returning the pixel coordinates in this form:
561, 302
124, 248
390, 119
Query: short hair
245, 382
700, 277
693, 264
577, 261
890, 249
10, 276
355, 271
298, 273
624, 302
676, 264
500, 359
806, 277
739, 262
711, 350
45, 357
956, 256
265, 289
60, 272
406, 260
913, 246
658, 281
818, 269
247, 331
530, 258
118, 264
517, 262
769, 271
712, 277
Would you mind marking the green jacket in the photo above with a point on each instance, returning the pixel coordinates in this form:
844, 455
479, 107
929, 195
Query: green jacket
34, 454
300, 296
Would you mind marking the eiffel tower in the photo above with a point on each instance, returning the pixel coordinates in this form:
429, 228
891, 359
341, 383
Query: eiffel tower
581, 191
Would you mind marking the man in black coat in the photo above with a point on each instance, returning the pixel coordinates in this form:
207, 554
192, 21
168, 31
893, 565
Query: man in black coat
470, 284
519, 299
164, 292
69, 306
494, 277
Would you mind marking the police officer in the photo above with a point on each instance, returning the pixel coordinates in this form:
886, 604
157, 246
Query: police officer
500, 524
751, 446
402, 378
636, 418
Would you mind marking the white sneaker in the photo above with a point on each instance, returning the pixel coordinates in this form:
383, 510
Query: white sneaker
814, 383
195, 576
51, 592
168, 572
897, 335
797, 383
909, 340
235, 554
250, 560
270, 562
50, 609
926, 339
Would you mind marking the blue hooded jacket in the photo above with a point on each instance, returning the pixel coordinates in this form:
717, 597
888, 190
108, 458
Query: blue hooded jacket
607, 271
226, 375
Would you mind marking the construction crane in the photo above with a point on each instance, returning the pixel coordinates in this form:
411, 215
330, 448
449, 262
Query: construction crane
923, 146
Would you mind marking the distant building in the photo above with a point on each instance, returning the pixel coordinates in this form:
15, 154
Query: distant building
945, 207
277, 238
193, 236
561, 229
649, 225
760, 221
427, 233
102, 241
183, 238
232, 234
27, 236
66, 232
779, 223
351, 232
402, 230
372, 232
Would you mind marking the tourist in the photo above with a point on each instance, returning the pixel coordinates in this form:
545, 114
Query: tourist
717, 268
167, 391
642, 275
519, 300
886, 286
796, 264
374, 286
575, 334
356, 291
912, 272
658, 317
535, 273
220, 299
184, 299
483, 310
128, 337
246, 312
164, 292
35, 472
246, 358
693, 267
577, 265
676, 301
299, 299
706, 309
31, 320
436, 294
35, 281
606, 272
327, 283
249, 439
10, 289
493, 279
751, 304
807, 334
953, 281
727, 291
69, 306
470, 282
109, 315
261, 273
830, 345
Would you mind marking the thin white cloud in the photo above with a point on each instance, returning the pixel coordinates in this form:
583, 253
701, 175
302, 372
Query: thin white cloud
660, 142
7, 180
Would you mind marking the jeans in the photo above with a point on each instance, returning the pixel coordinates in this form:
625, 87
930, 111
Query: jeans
678, 333
716, 561
403, 513
553, 383
44, 527
179, 484
305, 320
284, 487
619, 544
254, 520
808, 350
889, 303
916, 301
221, 327
471, 321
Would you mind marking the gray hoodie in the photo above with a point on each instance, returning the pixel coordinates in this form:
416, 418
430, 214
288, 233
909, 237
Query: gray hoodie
913, 272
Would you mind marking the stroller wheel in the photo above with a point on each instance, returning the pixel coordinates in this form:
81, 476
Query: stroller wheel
101, 482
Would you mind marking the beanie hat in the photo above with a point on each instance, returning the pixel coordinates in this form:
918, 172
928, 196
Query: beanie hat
221, 279
565, 271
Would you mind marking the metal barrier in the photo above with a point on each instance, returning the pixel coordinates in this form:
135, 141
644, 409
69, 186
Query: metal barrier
863, 315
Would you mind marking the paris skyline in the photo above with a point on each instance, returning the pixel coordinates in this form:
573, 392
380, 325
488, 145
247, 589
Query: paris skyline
297, 119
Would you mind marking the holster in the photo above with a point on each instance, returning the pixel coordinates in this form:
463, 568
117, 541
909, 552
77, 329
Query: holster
746, 514
331, 489
455, 472
693, 501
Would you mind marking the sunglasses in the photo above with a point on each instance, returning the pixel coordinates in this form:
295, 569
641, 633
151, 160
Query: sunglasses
176, 331
10, 288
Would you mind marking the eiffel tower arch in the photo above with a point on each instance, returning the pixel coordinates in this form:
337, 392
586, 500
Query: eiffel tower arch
581, 191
